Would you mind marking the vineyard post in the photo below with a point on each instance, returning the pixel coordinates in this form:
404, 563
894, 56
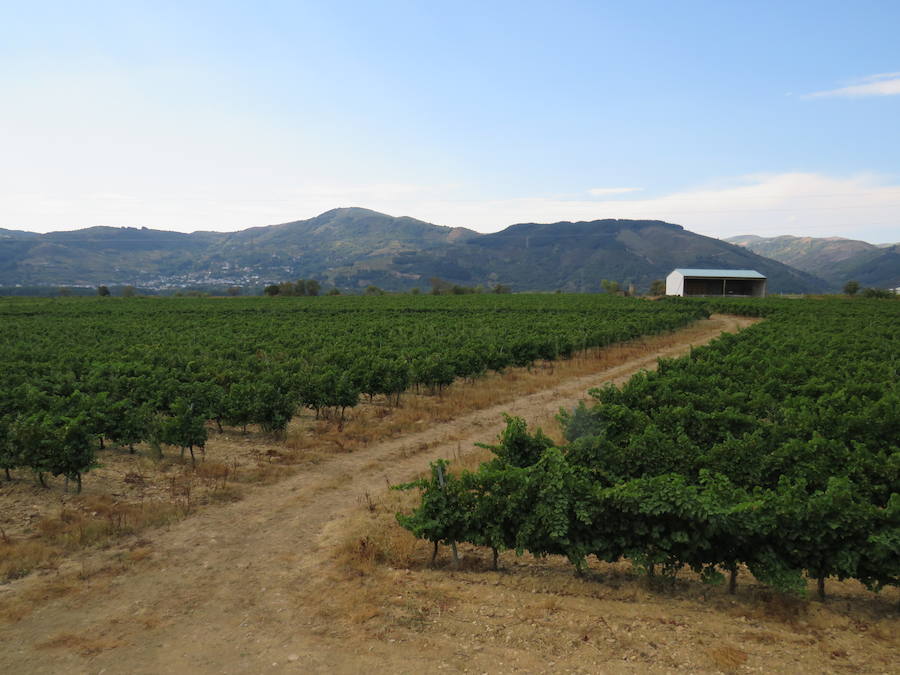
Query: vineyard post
440, 473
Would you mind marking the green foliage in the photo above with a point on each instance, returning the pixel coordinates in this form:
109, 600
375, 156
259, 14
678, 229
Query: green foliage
519, 448
184, 426
881, 293
302, 287
443, 513
51, 443
851, 287
312, 287
161, 370
776, 448
609, 286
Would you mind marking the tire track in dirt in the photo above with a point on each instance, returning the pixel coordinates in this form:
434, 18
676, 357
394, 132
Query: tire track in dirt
227, 590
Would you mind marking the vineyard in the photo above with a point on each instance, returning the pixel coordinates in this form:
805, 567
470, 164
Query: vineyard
777, 449
81, 373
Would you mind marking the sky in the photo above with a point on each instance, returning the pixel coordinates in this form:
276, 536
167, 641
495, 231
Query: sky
725, 117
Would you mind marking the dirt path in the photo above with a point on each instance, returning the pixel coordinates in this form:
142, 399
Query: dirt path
228, 590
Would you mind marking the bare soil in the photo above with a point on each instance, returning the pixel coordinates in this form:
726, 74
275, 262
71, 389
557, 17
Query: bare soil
309, 574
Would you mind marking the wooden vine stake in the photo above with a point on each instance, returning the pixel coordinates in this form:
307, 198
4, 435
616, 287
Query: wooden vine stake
440, 473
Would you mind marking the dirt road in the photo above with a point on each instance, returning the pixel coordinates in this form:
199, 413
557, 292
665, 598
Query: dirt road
229, 590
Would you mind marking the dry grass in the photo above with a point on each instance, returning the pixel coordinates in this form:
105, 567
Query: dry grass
727, 658
19, 558
33, 596
95, 520
80, 644
102, 518
374, 538
155, 494
140, 553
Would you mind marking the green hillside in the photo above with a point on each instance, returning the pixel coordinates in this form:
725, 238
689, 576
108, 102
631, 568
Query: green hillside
576, 256
352, 248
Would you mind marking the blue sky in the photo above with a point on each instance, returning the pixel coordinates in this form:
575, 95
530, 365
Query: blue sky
725, 117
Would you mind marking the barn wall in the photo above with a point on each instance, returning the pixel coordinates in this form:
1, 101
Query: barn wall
675, 284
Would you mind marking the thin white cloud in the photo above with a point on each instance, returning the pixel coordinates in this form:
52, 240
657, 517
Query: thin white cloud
604, 192
880, 76
882, 84
862, 207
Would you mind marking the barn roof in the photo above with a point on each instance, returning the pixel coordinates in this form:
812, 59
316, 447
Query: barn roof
719, 274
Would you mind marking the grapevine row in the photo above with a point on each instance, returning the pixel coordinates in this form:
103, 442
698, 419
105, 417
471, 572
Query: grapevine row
777, 448
78, 372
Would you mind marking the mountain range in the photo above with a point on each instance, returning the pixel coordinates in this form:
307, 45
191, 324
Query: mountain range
834, 259
352, 248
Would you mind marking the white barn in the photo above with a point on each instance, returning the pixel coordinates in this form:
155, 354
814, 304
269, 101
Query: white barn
735, 283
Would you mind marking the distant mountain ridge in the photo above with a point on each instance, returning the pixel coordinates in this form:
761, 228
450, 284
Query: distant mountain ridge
574, 256
835, 259
355, 247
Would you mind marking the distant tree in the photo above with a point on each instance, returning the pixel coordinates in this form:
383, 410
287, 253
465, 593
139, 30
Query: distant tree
415, 291
64, 291
333, 291
851, 288
500, 288
882, 293
287, 288
610, 286
439, 286
272, 290
128, 291
234, 291
102, 291
658, 287
371, 289
312, 287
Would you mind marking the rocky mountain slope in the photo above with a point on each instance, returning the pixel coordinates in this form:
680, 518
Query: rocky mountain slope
834, 259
